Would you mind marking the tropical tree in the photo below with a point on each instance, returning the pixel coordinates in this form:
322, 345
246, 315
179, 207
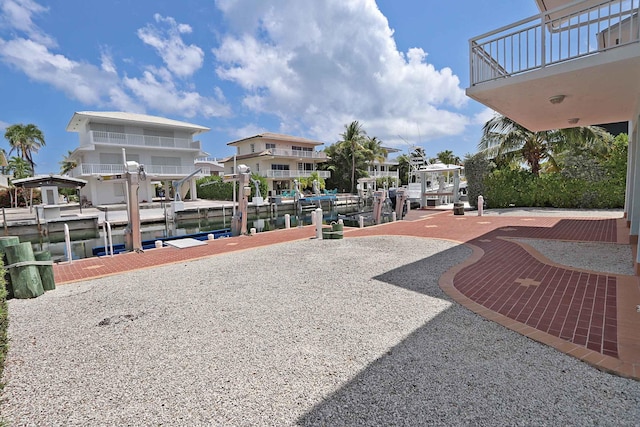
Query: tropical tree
505, 140
67, 164
353, 138
26, 140
403, 168
374, 152
448, 158
19, 168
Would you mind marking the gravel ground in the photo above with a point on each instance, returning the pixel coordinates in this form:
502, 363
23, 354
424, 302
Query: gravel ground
605, 257
342, 332
564, 213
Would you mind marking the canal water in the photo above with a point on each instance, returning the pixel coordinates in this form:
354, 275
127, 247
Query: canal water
83, 242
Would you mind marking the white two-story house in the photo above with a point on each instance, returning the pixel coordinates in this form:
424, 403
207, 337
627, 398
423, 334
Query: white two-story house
165, 147
382, 168
576, 63
281, 159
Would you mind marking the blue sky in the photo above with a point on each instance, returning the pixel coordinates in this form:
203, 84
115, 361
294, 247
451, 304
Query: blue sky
240, 67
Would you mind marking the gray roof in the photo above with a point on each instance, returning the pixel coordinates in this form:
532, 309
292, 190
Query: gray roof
278, 137
44, 180
121, 117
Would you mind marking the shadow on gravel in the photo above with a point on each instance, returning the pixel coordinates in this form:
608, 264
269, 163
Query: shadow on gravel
460, 369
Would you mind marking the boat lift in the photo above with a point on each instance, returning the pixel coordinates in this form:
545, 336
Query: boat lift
239, 220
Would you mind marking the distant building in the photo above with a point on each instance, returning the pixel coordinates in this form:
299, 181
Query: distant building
281, 159
382, 169
165, 147
212, 163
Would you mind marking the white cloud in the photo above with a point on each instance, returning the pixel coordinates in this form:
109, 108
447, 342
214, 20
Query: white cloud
245, 131
107, 63
182, 60
484, 116
319, 65
18, 14
157, 90
101, 85
82, 81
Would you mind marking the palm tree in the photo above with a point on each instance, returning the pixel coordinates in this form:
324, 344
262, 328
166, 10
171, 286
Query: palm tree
26, 140
448, 158
20, 168
403, 168
374, 152
353, 138
504, 139
67, 164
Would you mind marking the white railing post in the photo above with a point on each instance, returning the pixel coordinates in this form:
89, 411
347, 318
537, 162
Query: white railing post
318, 215
67, 241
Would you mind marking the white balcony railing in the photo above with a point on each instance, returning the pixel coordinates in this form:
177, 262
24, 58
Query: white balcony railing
383, 174
298, 153
293, 174
563, 34
100, 137
87, 169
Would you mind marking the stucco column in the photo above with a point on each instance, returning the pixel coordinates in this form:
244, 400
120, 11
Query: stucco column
630, 185
193, 193
633, 204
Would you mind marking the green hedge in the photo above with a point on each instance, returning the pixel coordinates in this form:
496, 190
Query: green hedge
505, 188
213, 188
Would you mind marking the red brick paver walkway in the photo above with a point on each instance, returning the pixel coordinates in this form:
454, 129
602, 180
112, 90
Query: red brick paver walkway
590, 315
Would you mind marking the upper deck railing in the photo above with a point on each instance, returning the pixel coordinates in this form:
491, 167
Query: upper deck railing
572, 31
303, 154
130, 139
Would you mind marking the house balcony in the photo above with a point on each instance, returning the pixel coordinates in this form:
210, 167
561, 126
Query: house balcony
145, 141
156, 171
298, 154
575, 65
292, 174
384, 174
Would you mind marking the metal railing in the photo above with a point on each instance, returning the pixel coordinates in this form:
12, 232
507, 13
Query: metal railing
572, 31
85, 169
383, 174
298, 153
293, 174
115, 138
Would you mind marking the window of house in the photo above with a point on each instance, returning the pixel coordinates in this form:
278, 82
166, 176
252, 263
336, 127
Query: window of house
253, 148
305, 166
277, 167
116, 158
296, 148
270, 146
158, 132
257, 167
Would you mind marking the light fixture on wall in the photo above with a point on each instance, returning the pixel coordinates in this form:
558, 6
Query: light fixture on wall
573, 121
557, 99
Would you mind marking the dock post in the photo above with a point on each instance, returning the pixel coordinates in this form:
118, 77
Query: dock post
480, 205
318, 220
287, 221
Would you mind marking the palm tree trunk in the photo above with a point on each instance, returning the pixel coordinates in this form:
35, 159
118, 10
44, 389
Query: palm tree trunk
353, 170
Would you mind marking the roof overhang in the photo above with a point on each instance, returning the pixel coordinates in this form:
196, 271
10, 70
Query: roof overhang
278, 137
81, 118
49, 180
598, 88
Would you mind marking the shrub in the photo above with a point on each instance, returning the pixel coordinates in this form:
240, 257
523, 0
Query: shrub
476, 168
213, 188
